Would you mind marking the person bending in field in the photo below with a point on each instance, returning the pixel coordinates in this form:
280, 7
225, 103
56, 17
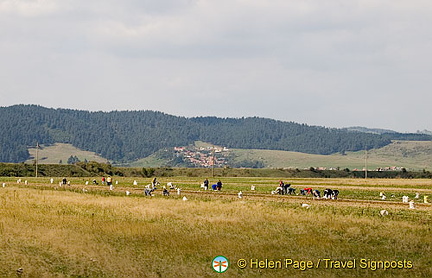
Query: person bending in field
282, 186
219, 185
328, 193
165, 191
335, 194
317, 194
148, 192
154, 183
109, 181
286, 188
278, 190
306, 191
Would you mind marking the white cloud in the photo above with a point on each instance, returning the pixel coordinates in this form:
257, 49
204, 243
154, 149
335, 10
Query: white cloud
319, 62
29, 8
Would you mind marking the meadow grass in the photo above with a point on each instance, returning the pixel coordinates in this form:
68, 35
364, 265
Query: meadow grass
63, 232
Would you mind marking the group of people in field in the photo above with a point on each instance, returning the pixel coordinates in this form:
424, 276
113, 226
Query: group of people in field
105, 180
165, 191
150, 188
282, 189
215, 187
286, 189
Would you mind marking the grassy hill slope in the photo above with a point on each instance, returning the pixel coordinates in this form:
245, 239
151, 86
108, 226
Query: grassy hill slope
149, 161
411, 154
60, 151
414, 155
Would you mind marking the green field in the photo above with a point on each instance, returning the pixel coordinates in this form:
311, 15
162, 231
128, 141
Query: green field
83, 230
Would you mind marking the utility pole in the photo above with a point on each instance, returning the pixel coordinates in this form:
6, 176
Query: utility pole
366, 165
213, 161
37, 158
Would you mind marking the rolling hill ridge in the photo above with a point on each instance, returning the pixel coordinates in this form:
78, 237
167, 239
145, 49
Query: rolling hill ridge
125, 136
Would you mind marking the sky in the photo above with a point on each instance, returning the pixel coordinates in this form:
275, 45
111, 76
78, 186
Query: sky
332, 63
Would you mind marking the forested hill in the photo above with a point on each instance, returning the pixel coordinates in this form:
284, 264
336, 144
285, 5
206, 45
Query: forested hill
123, 136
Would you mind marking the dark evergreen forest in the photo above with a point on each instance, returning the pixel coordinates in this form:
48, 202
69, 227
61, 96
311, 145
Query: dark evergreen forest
124, 136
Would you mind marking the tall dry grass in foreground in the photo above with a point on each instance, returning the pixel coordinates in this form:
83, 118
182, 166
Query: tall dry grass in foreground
67, 234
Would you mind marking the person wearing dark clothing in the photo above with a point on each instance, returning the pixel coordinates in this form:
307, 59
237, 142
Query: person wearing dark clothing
219, 185
154, 183
148, 192
335, 194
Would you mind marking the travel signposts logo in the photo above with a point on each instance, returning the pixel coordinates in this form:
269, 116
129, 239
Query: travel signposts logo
220, 264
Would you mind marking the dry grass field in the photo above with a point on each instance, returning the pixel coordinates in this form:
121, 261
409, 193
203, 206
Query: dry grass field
89, 231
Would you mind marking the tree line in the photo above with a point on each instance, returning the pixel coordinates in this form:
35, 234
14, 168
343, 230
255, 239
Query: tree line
124, 136
95, 169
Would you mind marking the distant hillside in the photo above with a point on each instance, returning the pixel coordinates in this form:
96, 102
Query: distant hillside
424, 131
412, 155
393, 135
369, 130
125, 136
60, 153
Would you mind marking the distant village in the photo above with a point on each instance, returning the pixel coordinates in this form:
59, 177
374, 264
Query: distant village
204, 156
